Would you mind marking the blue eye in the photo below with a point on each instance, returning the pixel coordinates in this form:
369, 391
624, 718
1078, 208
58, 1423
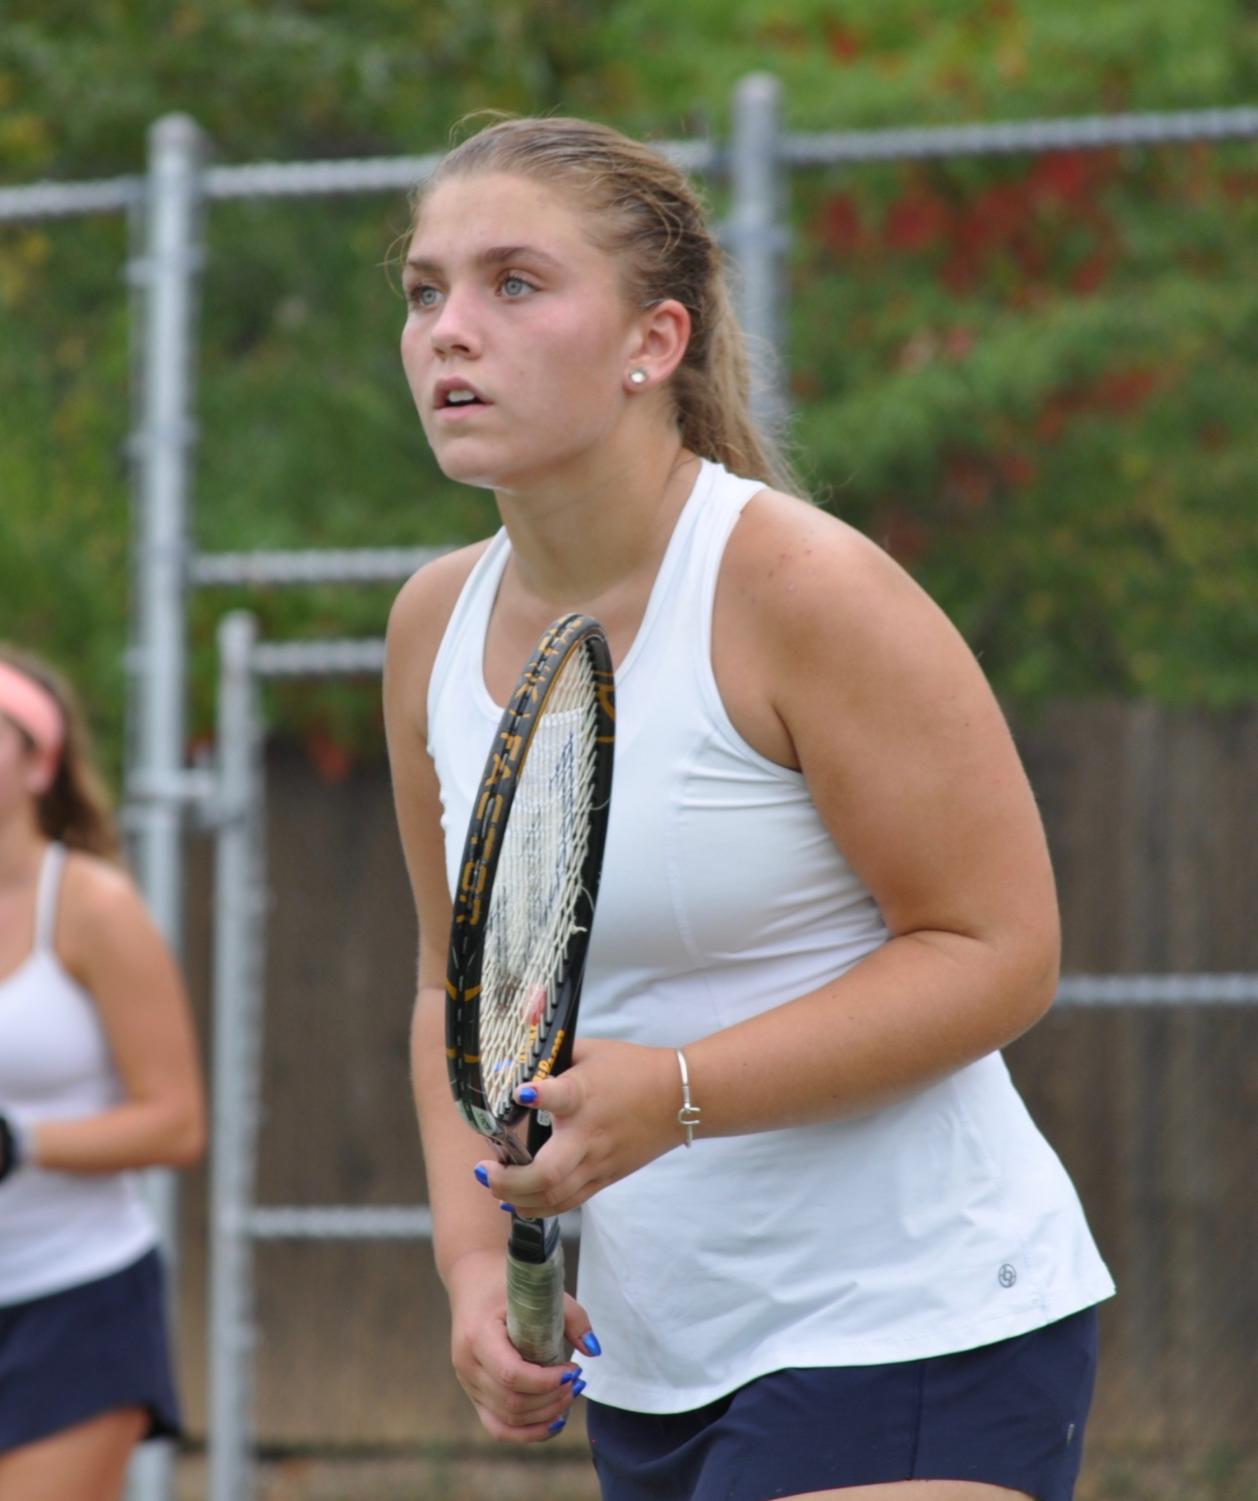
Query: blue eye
515, 286
422, 295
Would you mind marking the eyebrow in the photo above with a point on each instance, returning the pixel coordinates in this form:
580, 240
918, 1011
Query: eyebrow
493, 255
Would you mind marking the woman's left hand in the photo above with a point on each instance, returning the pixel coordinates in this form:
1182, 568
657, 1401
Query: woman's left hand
613, 1111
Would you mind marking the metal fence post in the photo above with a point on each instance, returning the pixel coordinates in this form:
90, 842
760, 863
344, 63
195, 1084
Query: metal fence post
238, 966
757, 236
166, 277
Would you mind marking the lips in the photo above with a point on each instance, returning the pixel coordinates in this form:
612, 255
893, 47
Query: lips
455, 394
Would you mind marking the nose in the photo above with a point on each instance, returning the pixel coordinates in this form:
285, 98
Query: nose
453, 330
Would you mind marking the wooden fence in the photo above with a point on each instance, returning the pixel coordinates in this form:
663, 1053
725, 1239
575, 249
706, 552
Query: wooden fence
1153, 823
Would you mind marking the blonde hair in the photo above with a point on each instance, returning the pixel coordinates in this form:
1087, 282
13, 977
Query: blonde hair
645, 212
75, 810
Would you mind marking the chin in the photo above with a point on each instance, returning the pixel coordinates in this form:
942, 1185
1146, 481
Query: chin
478, 476
483, 472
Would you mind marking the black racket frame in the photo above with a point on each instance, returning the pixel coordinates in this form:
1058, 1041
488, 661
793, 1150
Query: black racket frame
552, 1049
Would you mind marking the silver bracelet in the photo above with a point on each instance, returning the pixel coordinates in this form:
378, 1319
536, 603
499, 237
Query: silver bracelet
690, 1115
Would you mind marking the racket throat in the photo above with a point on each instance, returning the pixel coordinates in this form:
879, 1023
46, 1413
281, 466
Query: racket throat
533, 1241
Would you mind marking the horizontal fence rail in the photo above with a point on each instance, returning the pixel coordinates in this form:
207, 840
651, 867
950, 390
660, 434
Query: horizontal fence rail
1158, 990
304, 659
357, 1222
49, 200
1088, 133
360, 565
63, 200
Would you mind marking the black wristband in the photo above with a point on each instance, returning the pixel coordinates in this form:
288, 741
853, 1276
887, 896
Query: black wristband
10, 1153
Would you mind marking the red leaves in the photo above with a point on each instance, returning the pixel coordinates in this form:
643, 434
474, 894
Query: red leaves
1070, 177
843, 43
1031, 223
331, 759
903, 534
839, 225
1118, 392
916, 221
972, 481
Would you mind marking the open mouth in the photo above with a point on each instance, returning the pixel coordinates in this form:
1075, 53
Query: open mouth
457, 398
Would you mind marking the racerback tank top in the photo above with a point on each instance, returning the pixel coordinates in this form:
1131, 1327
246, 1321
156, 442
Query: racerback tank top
939, 1223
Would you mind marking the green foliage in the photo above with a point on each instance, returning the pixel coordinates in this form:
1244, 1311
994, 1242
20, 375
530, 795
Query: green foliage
1032, 378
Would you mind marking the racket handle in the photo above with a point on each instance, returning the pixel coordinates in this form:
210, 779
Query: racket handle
535, 1293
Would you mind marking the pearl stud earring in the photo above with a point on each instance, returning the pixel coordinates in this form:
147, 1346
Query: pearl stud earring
638, 377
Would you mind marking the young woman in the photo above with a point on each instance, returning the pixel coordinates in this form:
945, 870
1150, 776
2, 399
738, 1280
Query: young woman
98, 1076
826, 892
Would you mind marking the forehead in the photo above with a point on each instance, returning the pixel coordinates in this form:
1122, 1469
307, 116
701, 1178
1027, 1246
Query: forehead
464, 215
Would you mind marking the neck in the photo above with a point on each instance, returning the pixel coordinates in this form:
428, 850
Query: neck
22, 846
580, 537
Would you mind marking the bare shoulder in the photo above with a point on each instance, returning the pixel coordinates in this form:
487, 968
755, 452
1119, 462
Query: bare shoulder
98, 890
810, 586
100, 906
794, 555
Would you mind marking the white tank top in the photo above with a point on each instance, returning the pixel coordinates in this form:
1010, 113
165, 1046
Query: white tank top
937, 1224
59, 1229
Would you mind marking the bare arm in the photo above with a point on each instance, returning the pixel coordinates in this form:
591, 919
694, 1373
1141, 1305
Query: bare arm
462, 1220
112, 947
516, 1401
913, 770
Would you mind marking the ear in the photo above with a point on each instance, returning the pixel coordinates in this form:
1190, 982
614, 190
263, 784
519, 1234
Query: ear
41, 773
660, 339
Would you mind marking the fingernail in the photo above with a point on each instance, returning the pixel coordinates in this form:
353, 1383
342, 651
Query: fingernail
558, 1425
527, 1095
481, 1176
589, 1343
570, 1376
507, 1208
578, 1387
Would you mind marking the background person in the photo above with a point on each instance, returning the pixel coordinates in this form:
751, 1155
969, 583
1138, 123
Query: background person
98, 1076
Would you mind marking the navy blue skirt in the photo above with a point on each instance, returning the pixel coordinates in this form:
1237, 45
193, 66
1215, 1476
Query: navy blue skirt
1010, 1414
73, 1355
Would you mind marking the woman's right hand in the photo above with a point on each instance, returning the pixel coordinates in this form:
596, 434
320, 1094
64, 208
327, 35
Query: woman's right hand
518, 1402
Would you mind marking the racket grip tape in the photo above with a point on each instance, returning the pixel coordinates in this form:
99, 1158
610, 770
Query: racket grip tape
535, 1306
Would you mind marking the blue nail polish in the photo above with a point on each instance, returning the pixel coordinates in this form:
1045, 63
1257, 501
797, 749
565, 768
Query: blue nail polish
558, 1425
570, 1376
481, 1176
589, 1343
578, 1387
507, 1208
527, 1095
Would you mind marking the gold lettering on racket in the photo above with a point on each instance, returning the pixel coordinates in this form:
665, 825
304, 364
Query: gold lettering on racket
545, 1066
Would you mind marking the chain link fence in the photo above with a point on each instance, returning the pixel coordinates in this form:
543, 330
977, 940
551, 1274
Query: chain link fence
1145, 1076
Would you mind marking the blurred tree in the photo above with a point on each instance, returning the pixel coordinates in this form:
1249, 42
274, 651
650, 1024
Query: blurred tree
1031, 378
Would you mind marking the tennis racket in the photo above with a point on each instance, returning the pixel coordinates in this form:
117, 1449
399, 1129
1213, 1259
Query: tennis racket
523, 910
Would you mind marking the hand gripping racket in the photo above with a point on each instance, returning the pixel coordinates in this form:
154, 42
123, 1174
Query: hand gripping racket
522, 915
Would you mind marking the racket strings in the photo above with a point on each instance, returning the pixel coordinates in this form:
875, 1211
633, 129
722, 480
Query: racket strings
533, 910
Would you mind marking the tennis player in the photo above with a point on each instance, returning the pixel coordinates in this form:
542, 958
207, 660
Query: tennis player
824, 1250
98, 1075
